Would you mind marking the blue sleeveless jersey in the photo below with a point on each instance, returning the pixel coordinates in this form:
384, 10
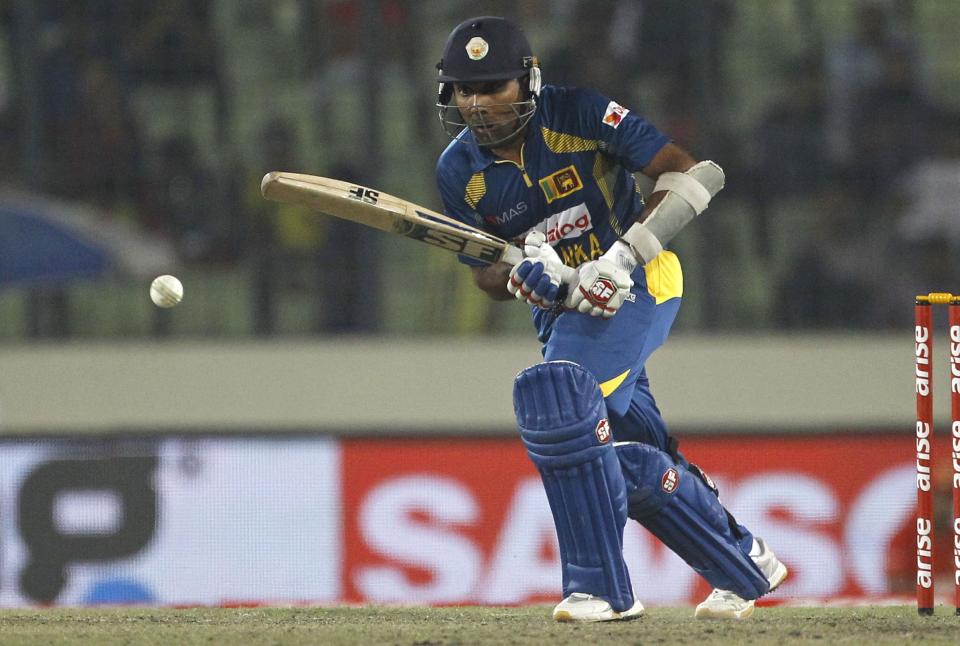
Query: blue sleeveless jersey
575, 181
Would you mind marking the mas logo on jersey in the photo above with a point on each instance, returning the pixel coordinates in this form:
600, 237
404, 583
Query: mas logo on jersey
670, 480
561, 184
477, 48
603, 431
614, 114
518, 209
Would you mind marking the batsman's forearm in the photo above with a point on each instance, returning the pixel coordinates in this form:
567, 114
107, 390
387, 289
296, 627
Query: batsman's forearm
678, 198
493, 280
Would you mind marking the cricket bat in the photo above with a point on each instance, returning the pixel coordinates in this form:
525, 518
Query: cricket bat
379, 210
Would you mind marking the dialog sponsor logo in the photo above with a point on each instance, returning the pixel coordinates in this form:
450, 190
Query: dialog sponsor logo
569, 223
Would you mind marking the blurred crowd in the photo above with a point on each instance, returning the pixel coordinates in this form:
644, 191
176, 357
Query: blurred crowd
854, 147
847, 174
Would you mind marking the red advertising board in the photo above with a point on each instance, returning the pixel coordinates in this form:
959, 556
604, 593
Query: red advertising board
322, 520
451, 521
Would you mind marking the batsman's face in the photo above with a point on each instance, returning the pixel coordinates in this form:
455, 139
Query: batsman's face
489, 108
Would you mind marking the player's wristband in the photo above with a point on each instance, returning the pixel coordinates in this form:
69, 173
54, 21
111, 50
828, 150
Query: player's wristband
644, 245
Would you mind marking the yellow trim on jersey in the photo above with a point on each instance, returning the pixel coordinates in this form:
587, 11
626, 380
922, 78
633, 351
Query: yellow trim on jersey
664, 277
476, 189
560, 142
610, 385
600, 166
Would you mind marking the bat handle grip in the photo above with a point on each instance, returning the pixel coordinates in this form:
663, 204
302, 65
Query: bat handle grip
569, 275
512, 255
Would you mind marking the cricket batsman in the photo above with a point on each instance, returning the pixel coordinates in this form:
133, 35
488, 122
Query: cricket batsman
553, 168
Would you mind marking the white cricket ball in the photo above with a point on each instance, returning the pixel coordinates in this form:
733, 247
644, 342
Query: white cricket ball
166, 291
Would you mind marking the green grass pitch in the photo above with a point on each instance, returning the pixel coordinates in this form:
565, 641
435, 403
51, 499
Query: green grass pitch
468, 625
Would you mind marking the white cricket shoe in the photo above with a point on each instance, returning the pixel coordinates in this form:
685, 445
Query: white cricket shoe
586, 607
723, 604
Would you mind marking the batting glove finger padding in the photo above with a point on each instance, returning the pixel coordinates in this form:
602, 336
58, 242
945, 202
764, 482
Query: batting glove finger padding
531, 282
545, 293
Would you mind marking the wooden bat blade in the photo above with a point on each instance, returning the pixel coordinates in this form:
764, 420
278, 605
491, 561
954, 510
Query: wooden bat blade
330, 197
385, 212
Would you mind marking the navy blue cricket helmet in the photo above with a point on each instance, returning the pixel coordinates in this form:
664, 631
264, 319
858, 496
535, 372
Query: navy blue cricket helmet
482, 49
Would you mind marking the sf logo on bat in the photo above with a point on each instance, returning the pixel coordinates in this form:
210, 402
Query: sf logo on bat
452, 241
362, 194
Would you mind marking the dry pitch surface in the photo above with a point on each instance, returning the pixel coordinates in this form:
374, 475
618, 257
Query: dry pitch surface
469, 625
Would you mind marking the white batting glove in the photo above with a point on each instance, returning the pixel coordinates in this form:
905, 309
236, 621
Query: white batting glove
536, 279
604, 282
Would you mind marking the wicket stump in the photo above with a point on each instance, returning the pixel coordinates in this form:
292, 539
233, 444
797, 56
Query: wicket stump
926, 476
